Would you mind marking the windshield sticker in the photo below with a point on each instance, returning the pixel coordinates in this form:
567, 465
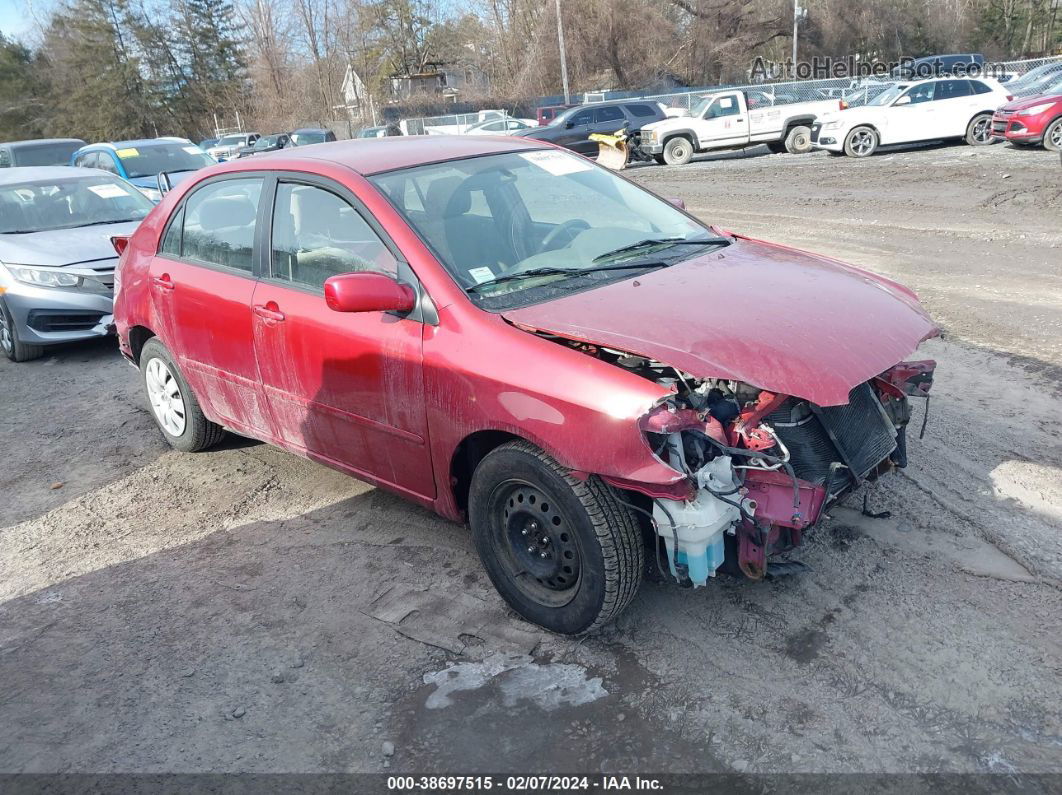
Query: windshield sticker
481, 275
557, 163
108, 191
192, 150
726, 102
130, 152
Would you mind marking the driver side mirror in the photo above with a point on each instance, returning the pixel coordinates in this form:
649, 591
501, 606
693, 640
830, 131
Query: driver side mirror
569, 124
904, 100
367, 291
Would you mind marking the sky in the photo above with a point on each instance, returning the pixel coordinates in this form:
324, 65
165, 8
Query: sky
16, 16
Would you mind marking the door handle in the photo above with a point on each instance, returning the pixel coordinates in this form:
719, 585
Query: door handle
269, 312
163, 282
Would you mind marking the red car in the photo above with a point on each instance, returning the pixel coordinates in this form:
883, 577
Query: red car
1033, 120
507, 333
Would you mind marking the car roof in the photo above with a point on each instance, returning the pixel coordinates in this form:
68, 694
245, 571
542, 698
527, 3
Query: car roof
309, 129
135, 143
11, 176
369, 156
42, 141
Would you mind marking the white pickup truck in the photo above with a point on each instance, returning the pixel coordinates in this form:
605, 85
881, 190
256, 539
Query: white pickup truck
731, 120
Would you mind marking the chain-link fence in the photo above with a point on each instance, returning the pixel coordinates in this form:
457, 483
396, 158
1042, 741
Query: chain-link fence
853, 91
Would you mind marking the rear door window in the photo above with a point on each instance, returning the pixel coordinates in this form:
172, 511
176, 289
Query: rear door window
641, 110
953, 89
608, 114
219, 223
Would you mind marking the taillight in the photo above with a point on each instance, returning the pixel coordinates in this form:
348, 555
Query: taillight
1010, 97
120, 243
842, 105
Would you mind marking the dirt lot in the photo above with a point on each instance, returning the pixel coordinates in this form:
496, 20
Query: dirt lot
236, 610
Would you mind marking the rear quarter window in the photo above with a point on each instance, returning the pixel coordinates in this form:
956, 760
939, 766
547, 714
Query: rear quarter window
642, 110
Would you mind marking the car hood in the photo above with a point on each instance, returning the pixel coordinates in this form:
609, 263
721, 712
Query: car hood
774, 317
671, 123
64, 246
1031, 102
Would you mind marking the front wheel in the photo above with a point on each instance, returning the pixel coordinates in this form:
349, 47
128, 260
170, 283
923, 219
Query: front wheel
861, 142
10, 344
979, 130
1053, 136
563, 552
678, 152
173, 406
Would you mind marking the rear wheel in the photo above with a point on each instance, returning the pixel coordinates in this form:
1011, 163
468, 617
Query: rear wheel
861, 142
678, 151
1053, 136
173, 406
563, 552
979, 130
13, 348
798, 140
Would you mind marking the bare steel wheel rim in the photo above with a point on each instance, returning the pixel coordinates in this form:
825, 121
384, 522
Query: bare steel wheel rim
7, 341
165, 395
862, 141
535, 543
1056, 135
981, 131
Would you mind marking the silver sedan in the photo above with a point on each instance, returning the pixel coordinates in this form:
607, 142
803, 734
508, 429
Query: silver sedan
56, 256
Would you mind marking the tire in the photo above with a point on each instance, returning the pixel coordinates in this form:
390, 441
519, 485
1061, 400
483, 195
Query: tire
180, 419
798, 140
979, 130
861, 142
678, 151
1053, 136
584, 556
13, 348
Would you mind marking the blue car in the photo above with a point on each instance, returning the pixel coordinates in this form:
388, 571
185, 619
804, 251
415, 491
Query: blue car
141, 162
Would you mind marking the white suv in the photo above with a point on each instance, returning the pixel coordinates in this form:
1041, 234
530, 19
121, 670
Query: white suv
927, 110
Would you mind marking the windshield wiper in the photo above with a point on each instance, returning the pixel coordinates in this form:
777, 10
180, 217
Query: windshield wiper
97, 223
550, 271
651, 242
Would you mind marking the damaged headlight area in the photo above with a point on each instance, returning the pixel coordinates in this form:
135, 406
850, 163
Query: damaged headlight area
764, 466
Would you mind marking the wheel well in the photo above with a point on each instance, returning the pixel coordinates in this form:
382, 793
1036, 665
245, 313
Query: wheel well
801, 122
472, 449
138, 336
683, 134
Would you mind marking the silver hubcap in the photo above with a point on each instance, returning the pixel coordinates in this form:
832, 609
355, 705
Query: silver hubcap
1056, 136
7, 342
165, 396
862, 142
981, 133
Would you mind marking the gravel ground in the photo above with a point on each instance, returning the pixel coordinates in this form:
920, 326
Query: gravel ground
245, 610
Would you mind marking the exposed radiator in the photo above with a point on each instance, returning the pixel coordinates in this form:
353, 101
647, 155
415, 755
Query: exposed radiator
857, 434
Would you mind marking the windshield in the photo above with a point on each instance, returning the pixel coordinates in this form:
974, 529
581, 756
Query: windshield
151, 160
553, 216
233, 140
66, 203
269, 140
44, 154
302, 139
887, 96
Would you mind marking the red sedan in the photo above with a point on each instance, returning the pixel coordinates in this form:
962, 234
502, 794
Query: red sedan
1033, 120
507, 333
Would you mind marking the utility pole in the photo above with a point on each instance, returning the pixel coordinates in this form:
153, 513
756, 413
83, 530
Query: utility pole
563, 58
796, 29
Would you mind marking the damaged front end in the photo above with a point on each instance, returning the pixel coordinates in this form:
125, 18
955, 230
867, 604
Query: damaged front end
762, 467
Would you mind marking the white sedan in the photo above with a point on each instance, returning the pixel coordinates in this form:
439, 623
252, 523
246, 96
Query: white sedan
928, 110
500, 126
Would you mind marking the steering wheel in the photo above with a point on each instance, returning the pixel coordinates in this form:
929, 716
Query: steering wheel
571, 227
